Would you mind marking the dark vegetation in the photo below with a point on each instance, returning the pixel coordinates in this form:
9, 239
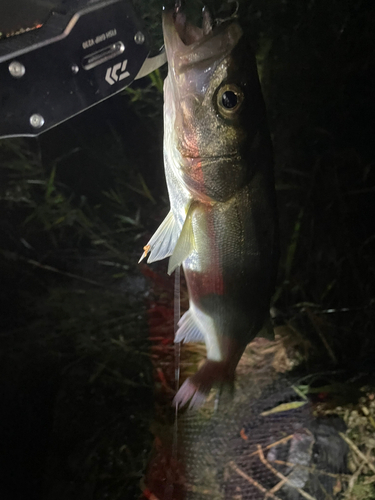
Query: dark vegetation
78, 203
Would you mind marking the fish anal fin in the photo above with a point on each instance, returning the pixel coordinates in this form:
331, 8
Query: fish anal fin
162, 243
188, 331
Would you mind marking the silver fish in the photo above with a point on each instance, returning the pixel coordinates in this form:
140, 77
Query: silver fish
222, 225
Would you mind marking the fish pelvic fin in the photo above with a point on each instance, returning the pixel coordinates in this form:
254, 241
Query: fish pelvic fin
188, 331
196, 388
163, 242
185, 243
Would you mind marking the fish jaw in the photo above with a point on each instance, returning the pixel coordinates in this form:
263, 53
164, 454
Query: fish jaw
188, 46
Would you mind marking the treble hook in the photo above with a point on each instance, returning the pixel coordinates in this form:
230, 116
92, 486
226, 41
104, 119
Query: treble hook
178, 5
237, 7
233, 15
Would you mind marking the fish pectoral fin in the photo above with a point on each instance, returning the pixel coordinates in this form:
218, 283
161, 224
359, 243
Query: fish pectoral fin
267, 331
185, 243
164, 240
188, 330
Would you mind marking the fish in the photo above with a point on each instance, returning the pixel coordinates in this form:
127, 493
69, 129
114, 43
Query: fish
222, 224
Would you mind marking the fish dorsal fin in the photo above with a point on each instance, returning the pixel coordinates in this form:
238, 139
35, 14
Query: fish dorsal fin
185, 243
188, 330
164, 240
267, 330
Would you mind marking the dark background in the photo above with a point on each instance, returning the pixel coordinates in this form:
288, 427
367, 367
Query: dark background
75, 380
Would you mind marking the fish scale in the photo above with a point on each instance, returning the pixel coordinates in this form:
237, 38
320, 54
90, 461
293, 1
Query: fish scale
222, 225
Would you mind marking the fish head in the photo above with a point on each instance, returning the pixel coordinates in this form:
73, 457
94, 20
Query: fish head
211, 100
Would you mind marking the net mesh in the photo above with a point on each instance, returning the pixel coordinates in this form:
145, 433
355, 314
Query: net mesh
264, 441
269, 447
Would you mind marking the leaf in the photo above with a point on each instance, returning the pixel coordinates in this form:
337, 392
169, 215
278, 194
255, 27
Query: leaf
284, 407
144, 191
156, 80
301, 391
126, 219
51, 183
118, 275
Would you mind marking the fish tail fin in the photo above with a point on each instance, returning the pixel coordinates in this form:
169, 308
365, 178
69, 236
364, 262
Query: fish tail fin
196, 388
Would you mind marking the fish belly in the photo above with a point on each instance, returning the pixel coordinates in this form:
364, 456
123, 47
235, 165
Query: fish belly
229, 274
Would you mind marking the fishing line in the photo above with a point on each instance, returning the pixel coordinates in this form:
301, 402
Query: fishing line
171, 473
177, 350
217, 400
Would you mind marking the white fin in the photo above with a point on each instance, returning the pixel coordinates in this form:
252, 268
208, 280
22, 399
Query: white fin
185, 243
162, 243
267, 330
188, 330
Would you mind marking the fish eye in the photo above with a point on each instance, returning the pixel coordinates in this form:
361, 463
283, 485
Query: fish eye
229, 100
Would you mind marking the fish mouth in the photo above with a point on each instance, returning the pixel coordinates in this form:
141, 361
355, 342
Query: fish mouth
176, 24
189, 33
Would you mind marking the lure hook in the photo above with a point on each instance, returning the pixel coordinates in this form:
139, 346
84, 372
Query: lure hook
178, 5
233, 15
